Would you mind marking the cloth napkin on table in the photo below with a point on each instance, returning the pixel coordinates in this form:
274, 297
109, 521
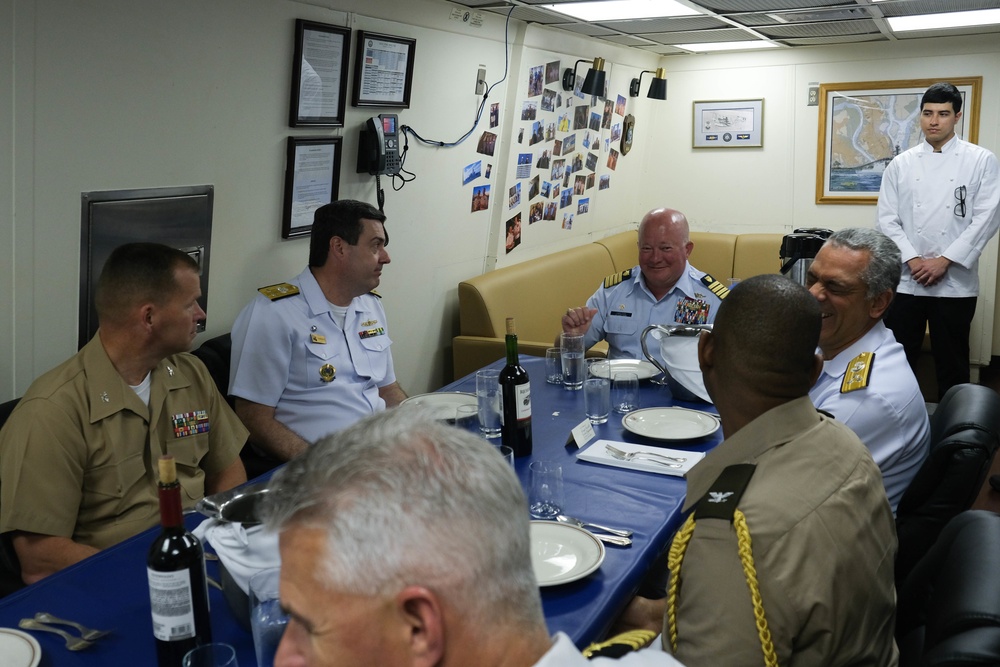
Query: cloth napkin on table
597, 453
244, 551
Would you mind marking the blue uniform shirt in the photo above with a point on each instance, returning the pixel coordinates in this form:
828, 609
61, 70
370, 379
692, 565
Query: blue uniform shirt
626, 308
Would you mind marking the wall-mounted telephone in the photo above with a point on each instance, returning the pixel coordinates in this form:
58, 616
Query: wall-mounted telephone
378, 149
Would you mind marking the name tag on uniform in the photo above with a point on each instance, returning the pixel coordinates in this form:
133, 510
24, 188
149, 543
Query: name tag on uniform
618, 313
317, 338
190, 423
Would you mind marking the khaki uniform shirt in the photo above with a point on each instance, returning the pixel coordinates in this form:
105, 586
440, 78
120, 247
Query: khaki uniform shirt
78, 456
823, 542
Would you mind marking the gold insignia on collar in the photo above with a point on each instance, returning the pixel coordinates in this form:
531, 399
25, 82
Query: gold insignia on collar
327, 373
105, 397
858, 374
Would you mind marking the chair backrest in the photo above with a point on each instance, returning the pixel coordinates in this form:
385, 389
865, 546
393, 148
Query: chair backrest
965, 434
6, 409
215, 353
10, 568
948, 608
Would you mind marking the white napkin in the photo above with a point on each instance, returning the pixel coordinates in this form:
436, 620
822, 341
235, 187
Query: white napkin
598, 453
243, 551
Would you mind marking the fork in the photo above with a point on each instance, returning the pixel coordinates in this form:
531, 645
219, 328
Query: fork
652, 457
85, 632
72, 643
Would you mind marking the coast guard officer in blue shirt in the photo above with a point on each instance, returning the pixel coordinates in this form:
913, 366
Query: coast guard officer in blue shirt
312, 356
662, 289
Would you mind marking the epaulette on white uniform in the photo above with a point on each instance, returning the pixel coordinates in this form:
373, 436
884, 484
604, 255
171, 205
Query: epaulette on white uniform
620, 645
717, 288
859, 372
278, 291
616, 278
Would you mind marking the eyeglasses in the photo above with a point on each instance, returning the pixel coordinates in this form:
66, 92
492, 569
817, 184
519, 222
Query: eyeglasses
960, 196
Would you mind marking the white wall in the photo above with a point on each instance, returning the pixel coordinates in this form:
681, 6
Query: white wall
773, 189
126, 94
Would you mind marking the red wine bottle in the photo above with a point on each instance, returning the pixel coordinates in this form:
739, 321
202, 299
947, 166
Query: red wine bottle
515, 392
178, 585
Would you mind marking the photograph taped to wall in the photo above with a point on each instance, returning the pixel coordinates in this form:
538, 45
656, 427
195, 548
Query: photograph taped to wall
494, 114
862, 126
472, 172
549, 100
544, 159
513, 227
487, 143
480, 198
514, 196
728, 124
535, 212
552, 72
535, 81
569, 144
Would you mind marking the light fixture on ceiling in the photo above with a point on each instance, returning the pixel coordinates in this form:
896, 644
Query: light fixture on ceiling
593, 83
657, 87
944, 21
620, 10
726, 46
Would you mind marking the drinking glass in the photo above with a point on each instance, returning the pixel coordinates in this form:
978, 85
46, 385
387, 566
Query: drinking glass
211, 655
507, 453
553, 365
467, 418
625, 391
545, 492
572, 361
597, 399
267, 620
488, 400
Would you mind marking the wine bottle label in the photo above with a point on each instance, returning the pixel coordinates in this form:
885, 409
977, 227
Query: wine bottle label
522, 394
173, 611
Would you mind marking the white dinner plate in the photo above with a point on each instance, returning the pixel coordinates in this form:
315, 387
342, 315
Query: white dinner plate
670, 423
561, 553
19, 649
642, 368
442, 404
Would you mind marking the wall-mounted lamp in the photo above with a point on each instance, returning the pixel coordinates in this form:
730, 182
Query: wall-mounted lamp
657, 87
593, 83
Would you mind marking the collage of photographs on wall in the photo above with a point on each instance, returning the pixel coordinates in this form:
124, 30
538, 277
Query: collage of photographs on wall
562, 137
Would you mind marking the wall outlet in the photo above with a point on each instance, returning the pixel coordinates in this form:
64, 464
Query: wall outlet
481, 81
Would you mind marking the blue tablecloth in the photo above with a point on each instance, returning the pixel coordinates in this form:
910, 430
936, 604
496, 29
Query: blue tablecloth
110, 591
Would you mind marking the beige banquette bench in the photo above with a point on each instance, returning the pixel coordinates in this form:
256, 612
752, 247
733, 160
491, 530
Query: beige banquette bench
539, 291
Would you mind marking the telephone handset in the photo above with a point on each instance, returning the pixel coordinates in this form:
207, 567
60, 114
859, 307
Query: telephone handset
378, 150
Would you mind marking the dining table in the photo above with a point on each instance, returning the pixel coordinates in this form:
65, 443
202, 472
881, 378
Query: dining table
109, 590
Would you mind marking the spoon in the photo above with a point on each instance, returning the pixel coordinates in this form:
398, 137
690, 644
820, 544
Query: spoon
72, 643
85, 632
573, 521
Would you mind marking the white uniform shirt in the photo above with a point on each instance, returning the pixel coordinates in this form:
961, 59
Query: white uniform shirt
627, 308
280, 348
916, 209
564, 654
889, 415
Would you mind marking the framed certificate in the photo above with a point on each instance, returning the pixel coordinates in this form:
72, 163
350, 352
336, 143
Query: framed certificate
383, 70
312, 179
319, 74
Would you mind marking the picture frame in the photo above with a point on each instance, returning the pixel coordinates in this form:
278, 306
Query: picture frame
383, 70
884, 116
312, 179
728, 124
319, 75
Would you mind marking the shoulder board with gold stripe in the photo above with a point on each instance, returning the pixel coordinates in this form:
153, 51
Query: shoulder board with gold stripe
616, 278
859, 372
620, 645
278, 291
375, 294
717, 288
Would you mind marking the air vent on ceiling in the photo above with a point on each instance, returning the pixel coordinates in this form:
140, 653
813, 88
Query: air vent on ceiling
817, 15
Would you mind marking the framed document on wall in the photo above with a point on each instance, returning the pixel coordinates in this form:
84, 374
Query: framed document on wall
383, 70
312, 179
319, 74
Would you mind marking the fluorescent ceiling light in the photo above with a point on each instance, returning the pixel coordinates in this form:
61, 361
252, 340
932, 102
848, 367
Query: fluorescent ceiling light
726, 46
945, 21
614, 10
